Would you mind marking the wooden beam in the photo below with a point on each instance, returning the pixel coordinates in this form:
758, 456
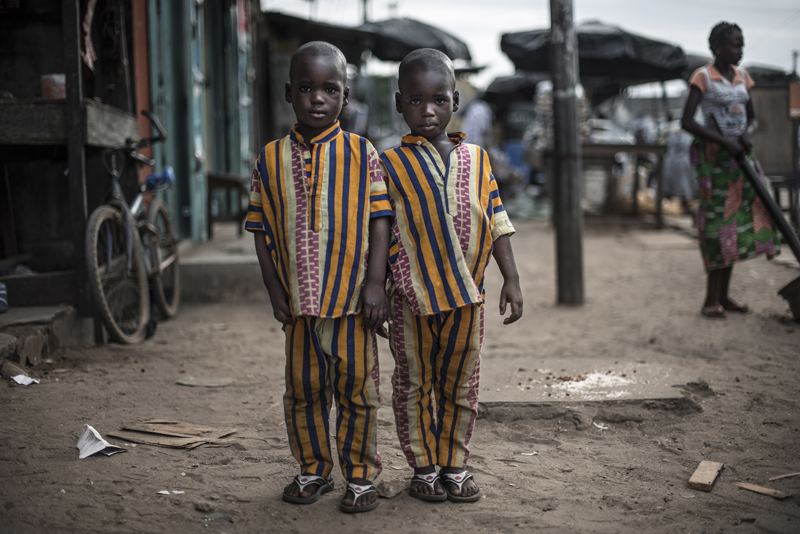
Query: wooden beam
567, 212
48, 289
705, 475
76, 136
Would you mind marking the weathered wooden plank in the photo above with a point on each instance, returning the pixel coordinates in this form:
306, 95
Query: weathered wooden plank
704, 476
33, 122
108, 126
762, 490
784, 476
46, 289
44, 122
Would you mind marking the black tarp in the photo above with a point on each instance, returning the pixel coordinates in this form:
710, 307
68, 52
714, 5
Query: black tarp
604, 51
395, 38
351, 41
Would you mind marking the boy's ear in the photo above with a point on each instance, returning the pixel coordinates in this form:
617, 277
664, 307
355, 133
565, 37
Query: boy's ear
346, 96
398, 102
455, 101
288, 92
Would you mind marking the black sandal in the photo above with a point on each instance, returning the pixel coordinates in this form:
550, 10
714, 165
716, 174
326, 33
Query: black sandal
302, 481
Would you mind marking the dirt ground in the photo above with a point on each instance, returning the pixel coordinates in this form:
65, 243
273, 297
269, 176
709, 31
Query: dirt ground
643, 304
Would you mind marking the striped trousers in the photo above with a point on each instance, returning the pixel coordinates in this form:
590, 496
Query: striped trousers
435, 382
332, 360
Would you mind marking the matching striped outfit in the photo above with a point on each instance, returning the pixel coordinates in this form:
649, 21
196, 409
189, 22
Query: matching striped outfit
447, 217
314, 200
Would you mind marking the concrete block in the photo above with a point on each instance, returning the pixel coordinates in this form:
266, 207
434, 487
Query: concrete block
34, 348
9, 369
8, 346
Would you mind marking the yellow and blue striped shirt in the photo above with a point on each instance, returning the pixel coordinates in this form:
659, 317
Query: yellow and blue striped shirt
447, 217
314, 201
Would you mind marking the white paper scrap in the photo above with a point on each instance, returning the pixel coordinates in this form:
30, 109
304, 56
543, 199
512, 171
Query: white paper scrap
91, 443
163, 492
177, 492
24, 380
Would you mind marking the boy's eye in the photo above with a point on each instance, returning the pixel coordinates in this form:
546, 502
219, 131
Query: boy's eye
330, 90
441, 101
304, 89
415, 101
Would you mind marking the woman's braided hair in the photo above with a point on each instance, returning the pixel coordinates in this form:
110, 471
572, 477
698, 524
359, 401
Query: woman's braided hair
719, 34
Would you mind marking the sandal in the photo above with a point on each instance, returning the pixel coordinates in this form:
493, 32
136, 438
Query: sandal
458, 480
302, 481
358, 491
738, 308
714, 312
429, 480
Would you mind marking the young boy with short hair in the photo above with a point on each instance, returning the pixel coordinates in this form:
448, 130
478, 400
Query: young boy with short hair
448, 220
318, 209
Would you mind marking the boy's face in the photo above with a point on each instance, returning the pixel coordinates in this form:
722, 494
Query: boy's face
317, 93
427, 102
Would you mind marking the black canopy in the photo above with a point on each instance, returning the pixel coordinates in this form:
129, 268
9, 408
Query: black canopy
603, 51
395, 38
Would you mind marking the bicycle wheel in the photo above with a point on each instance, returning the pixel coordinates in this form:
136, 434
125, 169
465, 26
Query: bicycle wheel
167, 285
120, 291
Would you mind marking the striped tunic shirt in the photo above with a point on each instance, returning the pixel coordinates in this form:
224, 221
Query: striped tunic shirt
314, 202
446, 220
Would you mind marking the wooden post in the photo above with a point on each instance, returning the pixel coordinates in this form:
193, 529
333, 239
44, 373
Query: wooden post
76, 135
567, 214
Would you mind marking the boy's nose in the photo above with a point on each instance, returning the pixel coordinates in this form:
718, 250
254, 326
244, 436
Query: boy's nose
427, 110
316, 96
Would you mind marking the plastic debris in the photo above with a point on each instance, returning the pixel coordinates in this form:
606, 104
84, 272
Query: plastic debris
601, 427
23, 380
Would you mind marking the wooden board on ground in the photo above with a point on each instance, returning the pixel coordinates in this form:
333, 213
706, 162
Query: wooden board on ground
762, 490
704, 476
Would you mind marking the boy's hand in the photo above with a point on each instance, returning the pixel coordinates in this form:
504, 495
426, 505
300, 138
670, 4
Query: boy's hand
511, 294
374, 305
280, 303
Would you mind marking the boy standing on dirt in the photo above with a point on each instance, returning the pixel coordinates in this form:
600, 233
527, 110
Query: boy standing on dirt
448, 220
318, 204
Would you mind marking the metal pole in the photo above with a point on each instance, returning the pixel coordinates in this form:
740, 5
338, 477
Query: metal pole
567, 214
365, 3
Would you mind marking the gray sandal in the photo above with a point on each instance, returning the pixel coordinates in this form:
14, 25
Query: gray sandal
429, 480
358, 491
458, 479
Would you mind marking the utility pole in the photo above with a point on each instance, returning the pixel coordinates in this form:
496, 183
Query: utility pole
365, 4
567, 213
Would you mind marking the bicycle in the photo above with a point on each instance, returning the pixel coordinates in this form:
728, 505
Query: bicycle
132, 251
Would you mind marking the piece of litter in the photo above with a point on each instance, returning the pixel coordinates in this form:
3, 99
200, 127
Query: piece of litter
534, 453
91, 443
23, 380
512, 485
163, 492
178, 492
396, 467
687, 495
762, 490
601, 427
199, 382
784, 476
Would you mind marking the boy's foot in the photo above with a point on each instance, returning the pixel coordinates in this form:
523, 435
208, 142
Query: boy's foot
732, 305
427, 486
460, 485
359, 496
714, 312
306, 489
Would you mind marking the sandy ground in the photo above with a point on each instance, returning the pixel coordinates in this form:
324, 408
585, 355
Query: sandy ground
644, 294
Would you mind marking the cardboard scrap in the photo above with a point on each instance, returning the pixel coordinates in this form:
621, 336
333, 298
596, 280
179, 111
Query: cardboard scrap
172, 434
762, 490
705, 475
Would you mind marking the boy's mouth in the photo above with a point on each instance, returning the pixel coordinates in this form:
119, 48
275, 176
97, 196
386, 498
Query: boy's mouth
428, 127
317, 113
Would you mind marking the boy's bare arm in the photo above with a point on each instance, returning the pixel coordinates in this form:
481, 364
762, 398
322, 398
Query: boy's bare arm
374, 303
511, 292
277, 295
